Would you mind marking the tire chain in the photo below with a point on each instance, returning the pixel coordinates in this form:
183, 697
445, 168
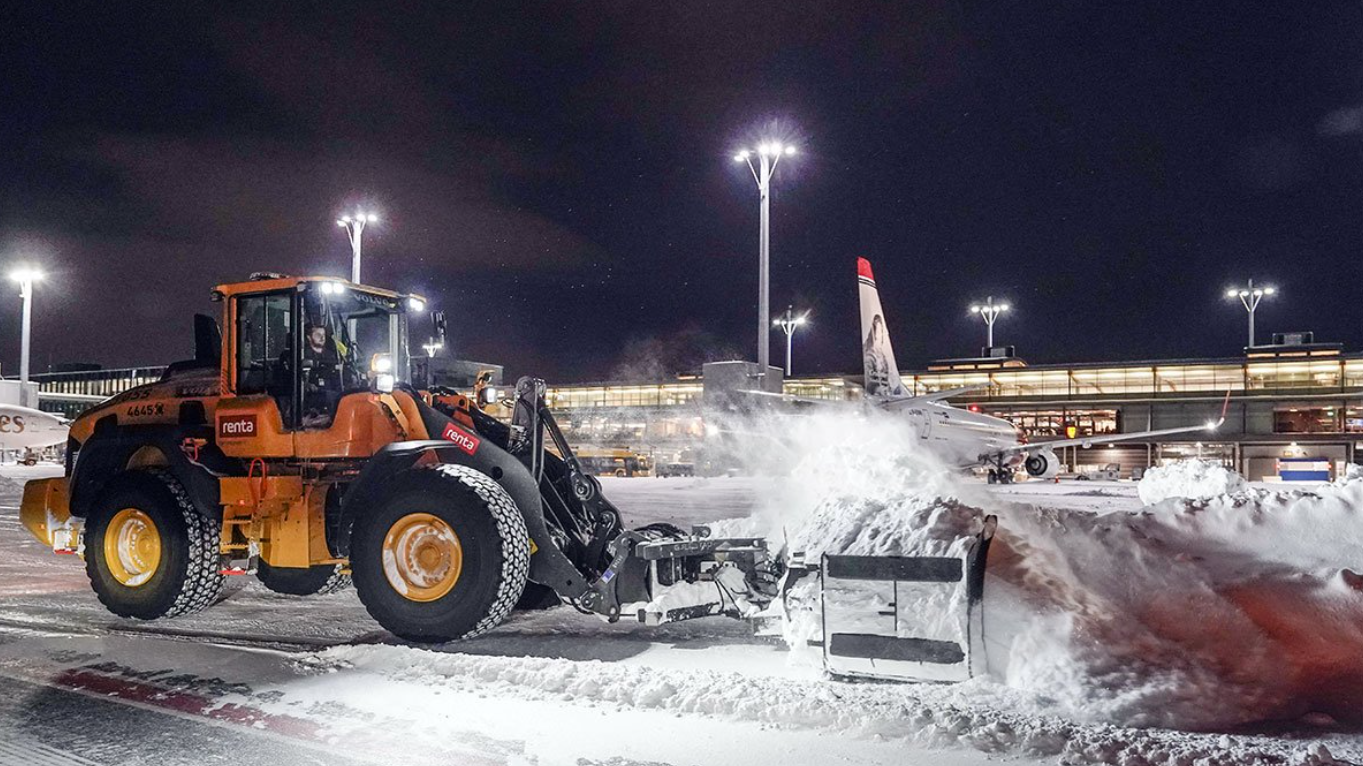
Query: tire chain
337, 582
515, 541
203, 577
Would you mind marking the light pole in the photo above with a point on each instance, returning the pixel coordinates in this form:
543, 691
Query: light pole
25, 276
1250, 296
354, 226
990, 311
769, 153
788, 321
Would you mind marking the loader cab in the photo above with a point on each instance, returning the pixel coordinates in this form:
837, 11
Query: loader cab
297, 348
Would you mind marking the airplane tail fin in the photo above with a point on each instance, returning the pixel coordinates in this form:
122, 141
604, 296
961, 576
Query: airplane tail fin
882, 376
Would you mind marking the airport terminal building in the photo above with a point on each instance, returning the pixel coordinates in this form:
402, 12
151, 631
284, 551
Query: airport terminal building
1294, 400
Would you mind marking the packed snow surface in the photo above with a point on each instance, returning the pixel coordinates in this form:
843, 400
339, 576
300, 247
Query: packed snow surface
1109, 626
1193, 478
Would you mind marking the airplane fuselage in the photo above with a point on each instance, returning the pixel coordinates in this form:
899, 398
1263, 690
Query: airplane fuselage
959, 437
25, 428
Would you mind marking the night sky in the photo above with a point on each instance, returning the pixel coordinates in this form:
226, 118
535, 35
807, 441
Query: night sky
559, 177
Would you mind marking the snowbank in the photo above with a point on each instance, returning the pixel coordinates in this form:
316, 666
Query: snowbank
1352, 472
1194, 478
909, 525
1208, 614
1203, 615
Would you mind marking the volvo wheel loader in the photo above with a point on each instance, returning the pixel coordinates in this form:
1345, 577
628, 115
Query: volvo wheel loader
295, 448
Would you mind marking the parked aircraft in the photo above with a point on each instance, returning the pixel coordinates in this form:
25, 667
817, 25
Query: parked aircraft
959, 436
22, 428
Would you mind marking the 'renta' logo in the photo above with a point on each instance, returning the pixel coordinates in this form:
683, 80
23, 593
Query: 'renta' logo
236, 426
461, 438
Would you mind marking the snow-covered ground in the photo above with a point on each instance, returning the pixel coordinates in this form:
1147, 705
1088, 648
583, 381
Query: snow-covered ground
316, 680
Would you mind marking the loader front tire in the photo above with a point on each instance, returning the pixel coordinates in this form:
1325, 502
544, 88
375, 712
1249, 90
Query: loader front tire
445, 558
149, 553
303, 581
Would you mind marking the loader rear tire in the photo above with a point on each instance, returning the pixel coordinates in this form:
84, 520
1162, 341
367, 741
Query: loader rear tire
303, 581
445, 558
149, 553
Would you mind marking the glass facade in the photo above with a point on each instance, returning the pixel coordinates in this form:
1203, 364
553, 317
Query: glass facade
835, 389
1306, 395
1149, 380
1307, 419
623, 395
1052, 422
70, 393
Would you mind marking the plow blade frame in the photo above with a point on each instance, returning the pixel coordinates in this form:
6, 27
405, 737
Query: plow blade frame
884, 652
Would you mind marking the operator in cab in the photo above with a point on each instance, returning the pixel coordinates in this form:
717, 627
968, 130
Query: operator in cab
322, 384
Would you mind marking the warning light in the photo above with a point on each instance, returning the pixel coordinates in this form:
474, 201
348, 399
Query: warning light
1071, 431
974, 408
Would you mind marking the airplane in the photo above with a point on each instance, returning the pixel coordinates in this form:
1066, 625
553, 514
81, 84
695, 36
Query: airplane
964, 438
22, 428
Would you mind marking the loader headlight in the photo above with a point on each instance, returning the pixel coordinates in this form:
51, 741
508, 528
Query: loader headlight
384, 383
332, 288
381, 363
416, 305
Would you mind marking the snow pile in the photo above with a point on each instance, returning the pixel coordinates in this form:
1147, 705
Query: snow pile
857, 485
892, 524
1194, 478
1352, 472
1207, 614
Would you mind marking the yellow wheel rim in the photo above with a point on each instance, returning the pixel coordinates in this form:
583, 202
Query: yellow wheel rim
422, 557
132, 547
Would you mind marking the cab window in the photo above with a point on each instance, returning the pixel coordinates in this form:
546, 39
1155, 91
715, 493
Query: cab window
349, 337
264, 358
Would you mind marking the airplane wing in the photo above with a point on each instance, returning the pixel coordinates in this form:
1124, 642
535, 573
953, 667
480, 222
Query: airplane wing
1089, 441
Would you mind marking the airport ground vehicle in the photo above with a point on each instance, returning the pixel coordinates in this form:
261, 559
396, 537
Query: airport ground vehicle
1105, 472
297, 450
614, 462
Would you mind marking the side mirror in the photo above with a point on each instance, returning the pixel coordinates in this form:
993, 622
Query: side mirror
207, 340
484, 393
487, 396
438, 326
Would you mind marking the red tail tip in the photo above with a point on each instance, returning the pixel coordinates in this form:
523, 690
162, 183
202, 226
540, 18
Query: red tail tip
864, 269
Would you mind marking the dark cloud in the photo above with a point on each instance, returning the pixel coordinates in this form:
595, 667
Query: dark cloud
557, 176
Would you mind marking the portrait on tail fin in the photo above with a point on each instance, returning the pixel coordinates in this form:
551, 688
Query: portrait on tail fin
876, 365
882, 376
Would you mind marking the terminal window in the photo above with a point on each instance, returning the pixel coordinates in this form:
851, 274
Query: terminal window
1036, 423
1307, 420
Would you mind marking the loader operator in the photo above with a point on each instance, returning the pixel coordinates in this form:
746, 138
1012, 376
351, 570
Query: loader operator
321, 376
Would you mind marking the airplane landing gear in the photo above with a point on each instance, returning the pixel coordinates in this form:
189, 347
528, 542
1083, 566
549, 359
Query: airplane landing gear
998, 472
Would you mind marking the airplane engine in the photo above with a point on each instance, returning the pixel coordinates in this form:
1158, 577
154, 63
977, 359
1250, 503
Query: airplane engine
1042, 465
